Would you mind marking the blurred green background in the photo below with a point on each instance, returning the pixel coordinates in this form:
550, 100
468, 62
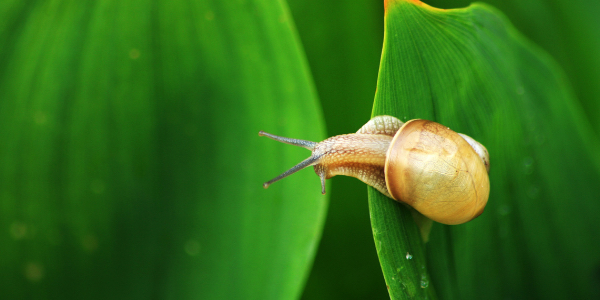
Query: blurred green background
131, 166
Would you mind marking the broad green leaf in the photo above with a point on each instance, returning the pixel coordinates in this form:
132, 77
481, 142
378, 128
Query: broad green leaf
131, 164
569, 31
471, 70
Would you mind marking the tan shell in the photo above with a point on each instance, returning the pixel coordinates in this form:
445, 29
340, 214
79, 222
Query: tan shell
437, 172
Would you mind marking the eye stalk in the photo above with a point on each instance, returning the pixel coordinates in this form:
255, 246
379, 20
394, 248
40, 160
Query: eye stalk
312, 160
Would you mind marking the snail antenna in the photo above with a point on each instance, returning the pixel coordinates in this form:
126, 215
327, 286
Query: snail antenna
305, 163
296, 142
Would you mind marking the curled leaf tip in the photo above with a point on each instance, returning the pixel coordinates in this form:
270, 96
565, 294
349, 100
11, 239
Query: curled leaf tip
387, 3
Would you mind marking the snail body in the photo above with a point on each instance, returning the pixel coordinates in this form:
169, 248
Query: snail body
440, 173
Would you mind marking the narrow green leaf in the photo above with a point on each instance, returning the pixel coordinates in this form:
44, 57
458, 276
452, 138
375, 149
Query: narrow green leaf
131, 162
470, 70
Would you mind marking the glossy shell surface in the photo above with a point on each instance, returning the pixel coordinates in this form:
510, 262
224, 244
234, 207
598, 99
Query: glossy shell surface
434, 170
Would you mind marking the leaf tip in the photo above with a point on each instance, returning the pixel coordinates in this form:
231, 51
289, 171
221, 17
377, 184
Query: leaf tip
388, 3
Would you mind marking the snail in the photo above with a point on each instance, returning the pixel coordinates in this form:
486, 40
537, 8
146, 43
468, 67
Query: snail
438, 172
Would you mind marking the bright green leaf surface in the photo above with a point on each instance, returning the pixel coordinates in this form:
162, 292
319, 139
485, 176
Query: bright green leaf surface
538, 237
568, 30
131, 166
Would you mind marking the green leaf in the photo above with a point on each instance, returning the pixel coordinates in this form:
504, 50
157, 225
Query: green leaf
471, 70
568, 30
131, 164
